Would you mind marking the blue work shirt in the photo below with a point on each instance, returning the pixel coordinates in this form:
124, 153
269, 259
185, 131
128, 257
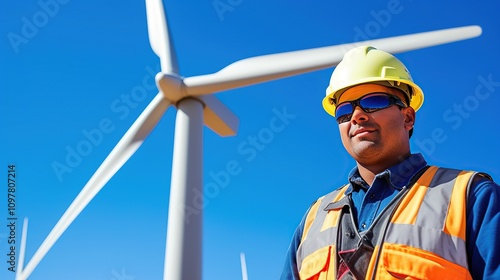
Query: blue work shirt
483, 215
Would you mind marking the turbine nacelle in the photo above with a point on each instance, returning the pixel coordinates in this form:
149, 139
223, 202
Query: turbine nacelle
217, 116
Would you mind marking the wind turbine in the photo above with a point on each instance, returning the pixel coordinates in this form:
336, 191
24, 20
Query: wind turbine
196, 104
244, 273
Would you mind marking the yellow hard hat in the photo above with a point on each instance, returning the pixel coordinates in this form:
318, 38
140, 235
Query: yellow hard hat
367, 64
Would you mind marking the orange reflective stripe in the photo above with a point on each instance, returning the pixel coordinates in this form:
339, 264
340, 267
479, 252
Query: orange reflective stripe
318, 266
455, 220
404, 262
310, 218
372, 264
407, 211
332, 218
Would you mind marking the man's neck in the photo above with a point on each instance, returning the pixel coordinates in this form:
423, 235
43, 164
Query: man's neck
369, 171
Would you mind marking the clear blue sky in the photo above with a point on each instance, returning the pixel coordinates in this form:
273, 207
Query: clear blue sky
76, 74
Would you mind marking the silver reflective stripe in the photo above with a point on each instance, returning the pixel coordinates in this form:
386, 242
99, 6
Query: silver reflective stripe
435, 205
448, 247
321, 238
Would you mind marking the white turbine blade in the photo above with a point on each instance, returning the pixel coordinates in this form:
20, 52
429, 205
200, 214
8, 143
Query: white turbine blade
426, 39
218, 117
125, 148
244, 274
159, 36
270, 67
22, 250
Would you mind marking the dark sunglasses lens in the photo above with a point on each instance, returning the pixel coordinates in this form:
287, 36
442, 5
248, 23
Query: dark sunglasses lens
343, 112
375, 102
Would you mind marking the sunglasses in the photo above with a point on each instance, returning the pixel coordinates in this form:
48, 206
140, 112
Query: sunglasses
369, 103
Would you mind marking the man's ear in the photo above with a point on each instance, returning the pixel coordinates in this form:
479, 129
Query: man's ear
409, 117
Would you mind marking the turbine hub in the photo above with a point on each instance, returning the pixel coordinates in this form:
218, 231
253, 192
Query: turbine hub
171, 86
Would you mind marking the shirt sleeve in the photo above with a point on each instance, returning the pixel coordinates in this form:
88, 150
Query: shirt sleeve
290, 270
483, 227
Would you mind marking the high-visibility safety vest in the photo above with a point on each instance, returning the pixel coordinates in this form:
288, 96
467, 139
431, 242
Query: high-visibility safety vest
423, 236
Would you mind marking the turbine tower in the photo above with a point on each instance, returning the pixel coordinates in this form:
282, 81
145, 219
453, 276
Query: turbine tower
197, 106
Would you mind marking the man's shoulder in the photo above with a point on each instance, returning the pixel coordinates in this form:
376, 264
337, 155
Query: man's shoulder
477, 175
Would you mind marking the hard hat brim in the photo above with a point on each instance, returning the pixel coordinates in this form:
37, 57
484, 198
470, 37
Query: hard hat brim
416, 99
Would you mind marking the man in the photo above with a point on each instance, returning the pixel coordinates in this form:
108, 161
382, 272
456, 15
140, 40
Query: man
397, 217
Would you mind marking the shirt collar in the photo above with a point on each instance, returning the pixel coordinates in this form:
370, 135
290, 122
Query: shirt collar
398, 175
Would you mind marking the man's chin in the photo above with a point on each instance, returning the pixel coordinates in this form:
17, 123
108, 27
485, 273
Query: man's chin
365, 149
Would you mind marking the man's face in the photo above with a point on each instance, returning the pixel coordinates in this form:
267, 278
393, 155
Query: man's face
379, 137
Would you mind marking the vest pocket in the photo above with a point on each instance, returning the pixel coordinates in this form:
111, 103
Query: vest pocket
316, 265
404, 262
